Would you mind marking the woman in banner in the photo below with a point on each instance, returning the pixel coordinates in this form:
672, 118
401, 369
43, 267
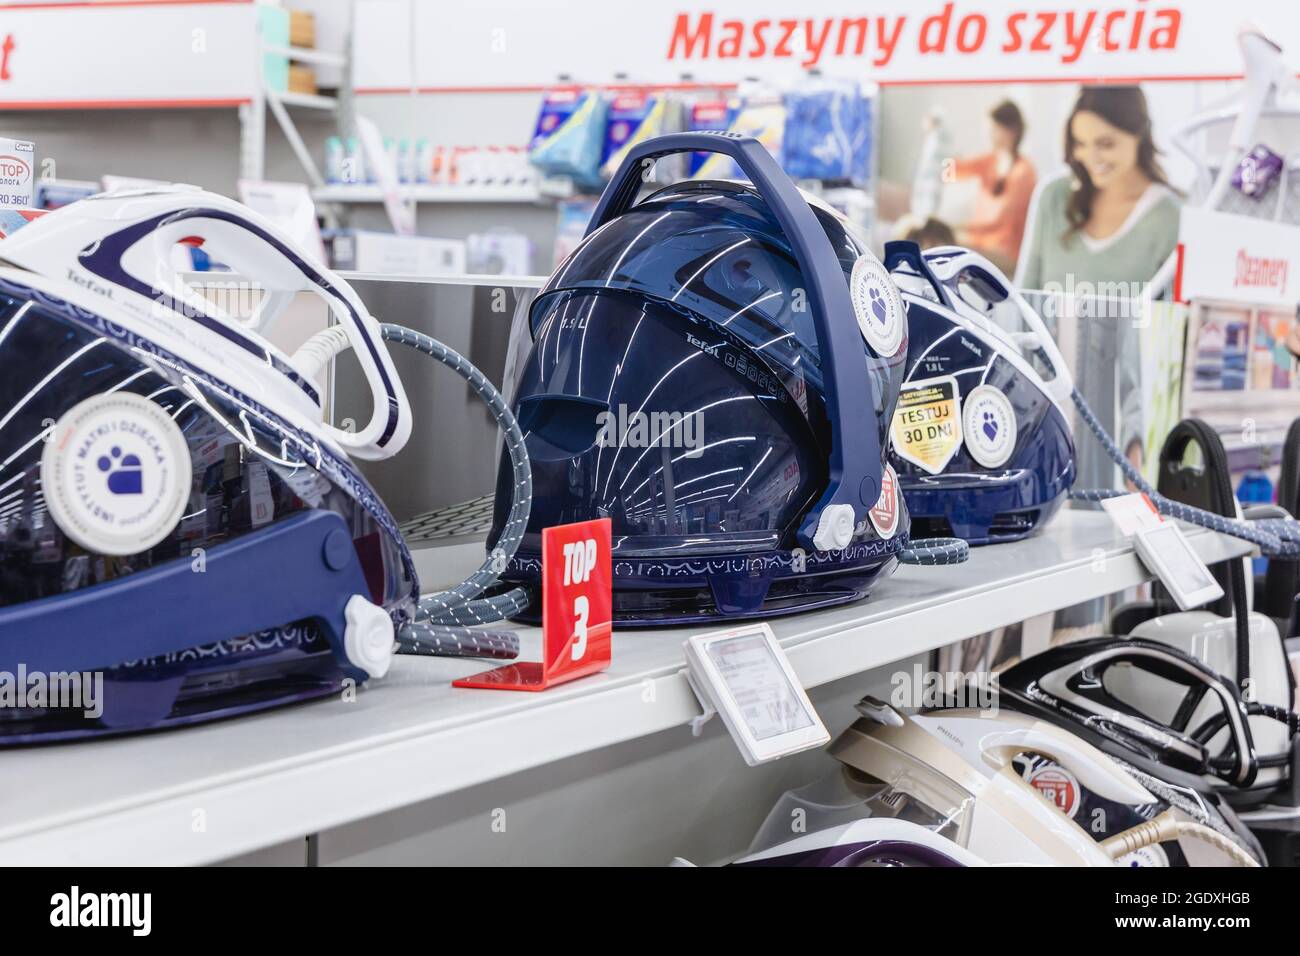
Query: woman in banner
1006, 186
1099, 232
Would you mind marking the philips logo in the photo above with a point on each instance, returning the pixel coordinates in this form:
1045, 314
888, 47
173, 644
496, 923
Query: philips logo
77, 909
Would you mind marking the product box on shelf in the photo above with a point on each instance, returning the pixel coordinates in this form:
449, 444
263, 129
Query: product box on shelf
17, 173
302, 79
302, 29
354, 250
570, 135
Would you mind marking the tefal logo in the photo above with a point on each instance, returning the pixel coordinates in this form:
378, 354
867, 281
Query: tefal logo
14, 171
6, 51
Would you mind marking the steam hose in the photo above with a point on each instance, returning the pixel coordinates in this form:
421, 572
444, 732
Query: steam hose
443, 621
462, 605
1166, 827
935, 551
1275, 537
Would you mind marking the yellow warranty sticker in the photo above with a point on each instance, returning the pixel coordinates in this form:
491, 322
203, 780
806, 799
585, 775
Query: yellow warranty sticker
927, 423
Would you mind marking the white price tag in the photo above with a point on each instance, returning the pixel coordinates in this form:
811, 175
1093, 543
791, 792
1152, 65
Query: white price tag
748, 679
1132, 513
1165, 551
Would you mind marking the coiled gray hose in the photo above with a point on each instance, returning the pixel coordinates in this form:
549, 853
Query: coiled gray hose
462, 606
442, 623
435, 640
1276, 537
934, 551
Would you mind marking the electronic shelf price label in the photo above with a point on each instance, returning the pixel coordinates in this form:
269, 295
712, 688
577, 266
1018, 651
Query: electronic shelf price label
577, 612
744, 675
1164, 550
1167, 552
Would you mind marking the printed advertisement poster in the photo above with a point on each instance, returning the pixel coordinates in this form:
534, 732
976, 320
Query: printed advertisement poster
1013, 171
1272, 366
1220, 349
1162, 379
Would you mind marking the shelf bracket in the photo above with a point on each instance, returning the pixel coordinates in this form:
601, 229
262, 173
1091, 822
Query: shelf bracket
706, 705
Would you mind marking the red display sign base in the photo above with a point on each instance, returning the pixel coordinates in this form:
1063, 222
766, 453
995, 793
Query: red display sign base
577, 608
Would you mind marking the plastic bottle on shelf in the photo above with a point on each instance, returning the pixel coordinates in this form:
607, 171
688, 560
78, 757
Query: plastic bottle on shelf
394, 156
495, 172
354, 163
404, 170
512, 174
334, 160
522, 173
438, 166
423, 160
480, 165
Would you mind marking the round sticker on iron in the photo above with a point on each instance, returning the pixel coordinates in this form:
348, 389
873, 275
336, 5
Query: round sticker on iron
116, 474
884, 516
1058, 785
989, 426
878, 306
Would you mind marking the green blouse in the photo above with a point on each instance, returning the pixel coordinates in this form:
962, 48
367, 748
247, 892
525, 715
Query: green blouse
1133, 254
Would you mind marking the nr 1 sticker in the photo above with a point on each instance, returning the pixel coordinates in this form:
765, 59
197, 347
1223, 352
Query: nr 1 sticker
884, 516
989, 426
927, 427
117, 474
878, 306
1058, 785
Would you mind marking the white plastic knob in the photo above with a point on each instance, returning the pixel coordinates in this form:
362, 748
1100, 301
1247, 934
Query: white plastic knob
368, 640
834, 528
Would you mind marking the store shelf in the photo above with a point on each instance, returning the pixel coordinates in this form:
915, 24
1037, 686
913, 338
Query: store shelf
307, 100
468, 278
206, 793
1280, 402
307, 55
432, 194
